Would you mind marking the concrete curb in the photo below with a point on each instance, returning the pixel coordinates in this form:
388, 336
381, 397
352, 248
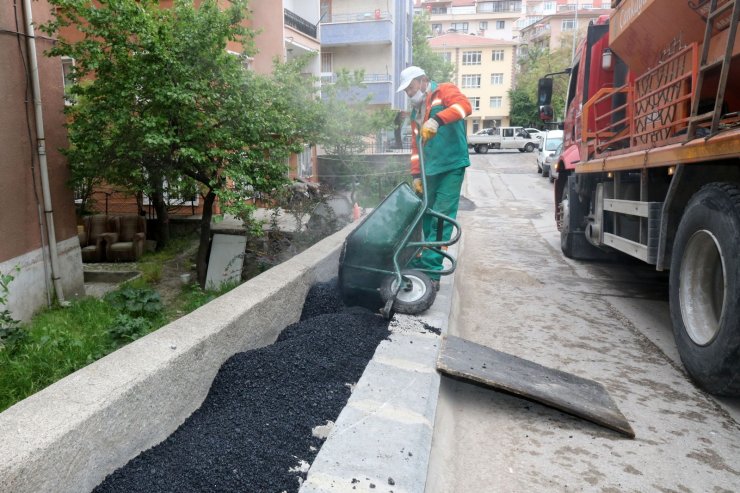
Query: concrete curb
69, 436
382, 439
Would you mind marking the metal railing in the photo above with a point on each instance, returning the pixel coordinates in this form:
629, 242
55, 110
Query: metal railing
300, 24
368, 78
500, 6
651, 112
374, 15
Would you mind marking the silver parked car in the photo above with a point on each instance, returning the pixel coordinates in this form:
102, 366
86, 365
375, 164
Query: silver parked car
552, 163
551, 141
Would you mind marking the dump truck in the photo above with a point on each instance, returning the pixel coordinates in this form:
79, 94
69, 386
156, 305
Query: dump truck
651, 164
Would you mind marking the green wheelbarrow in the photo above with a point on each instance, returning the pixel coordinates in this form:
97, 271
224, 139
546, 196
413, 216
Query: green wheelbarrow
374, 264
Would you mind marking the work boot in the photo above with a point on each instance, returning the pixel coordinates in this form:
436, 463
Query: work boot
435, 284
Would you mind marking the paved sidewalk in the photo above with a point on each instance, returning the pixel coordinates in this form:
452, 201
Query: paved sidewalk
382, 439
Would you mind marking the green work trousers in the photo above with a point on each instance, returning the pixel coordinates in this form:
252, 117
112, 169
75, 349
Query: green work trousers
443, 196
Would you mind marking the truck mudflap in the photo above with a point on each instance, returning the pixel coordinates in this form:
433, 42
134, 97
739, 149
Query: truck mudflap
572, 214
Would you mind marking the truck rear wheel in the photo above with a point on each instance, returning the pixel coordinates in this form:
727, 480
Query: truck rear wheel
705, 288
529, 147
481, 149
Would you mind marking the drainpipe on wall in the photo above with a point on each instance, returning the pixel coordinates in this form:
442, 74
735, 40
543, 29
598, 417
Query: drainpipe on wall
41, 150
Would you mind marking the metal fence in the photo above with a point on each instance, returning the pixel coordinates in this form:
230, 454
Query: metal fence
300, 24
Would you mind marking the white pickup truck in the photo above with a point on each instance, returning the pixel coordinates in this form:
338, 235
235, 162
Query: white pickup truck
502, 138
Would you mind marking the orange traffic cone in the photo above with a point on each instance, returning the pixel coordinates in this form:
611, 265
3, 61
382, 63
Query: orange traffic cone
355, 212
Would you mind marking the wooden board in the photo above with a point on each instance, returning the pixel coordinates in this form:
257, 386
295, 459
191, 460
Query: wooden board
563, 391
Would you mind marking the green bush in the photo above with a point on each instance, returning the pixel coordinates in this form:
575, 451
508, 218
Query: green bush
11, 332
127, 328
136, 302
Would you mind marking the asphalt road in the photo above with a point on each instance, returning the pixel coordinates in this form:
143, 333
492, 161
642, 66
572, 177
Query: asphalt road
517, 293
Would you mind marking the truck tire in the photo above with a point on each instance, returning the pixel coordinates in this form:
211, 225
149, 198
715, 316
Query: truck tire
481, 149
529, 147
417, 297
705, 288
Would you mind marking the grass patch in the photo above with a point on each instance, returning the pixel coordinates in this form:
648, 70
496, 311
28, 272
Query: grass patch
192, 297
60, 341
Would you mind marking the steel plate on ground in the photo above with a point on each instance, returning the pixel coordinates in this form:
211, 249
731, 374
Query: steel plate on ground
563, 391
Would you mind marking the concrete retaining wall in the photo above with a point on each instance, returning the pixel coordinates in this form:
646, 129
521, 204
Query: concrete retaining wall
27, 291
71, 435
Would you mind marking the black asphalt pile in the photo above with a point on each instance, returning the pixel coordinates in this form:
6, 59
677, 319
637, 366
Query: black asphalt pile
254, 430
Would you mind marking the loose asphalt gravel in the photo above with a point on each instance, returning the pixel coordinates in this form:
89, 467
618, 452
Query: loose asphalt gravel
253, 432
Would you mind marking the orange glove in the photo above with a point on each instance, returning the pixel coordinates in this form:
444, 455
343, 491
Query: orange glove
429, 129
418, 186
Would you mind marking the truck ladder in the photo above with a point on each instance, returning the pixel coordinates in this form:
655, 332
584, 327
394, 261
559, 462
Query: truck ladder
704, 66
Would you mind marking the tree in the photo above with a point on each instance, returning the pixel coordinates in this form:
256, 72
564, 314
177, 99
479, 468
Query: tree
435, 66
169, 105
532, 66
348, 121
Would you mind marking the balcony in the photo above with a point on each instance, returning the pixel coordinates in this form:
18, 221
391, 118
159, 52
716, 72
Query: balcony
500, 6
377, 86
358, 28
299, 24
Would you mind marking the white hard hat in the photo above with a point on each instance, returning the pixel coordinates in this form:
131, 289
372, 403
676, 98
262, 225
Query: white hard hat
407, 75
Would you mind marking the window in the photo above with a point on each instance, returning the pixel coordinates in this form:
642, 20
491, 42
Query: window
507, 132
327, 62
471, 57
447, 56
439, 10
548, 7
495, 101
499, 6
67, 67
183, 192
305, 163
327, 68
67, 78
459, 27
587, 6
500, 24
498, 55
483, 25
437, 28
497, 79
475, 103
471, 81
568, 24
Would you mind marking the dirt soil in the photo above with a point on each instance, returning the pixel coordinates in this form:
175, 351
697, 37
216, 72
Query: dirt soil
170, 284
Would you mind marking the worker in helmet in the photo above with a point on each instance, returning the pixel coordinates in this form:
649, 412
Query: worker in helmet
438, 124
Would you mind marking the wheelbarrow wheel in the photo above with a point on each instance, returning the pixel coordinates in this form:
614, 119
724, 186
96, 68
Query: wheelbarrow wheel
415, 295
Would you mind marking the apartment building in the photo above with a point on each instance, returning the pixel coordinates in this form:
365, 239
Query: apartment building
369, 35
555, 23
495, 19
484, 69
300, 37
38, 224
